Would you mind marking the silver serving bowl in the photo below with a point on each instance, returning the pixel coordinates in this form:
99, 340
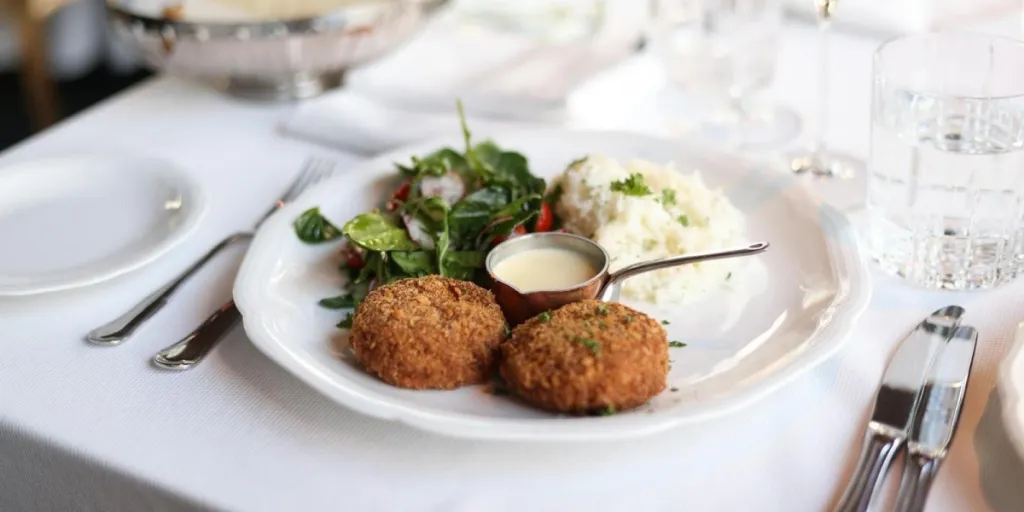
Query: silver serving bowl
269, 60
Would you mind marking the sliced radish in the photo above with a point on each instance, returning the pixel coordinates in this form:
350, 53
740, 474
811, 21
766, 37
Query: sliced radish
449, 187
418, 231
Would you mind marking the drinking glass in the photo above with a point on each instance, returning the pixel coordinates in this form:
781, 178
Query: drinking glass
719, 57
552, 20
819, 161
946, 173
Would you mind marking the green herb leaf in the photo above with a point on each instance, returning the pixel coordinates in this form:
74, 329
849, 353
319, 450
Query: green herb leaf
601, 309
462, 264
545, 317
668, 197
415, 263
676, 344
684, 220
313, 228
665, 322
594, 346
634, 185
339, 302
347, 322
608, 411
629, 319
602, 325
508, 332
577, 162
374, 232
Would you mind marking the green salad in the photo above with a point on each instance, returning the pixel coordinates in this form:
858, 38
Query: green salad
451, 208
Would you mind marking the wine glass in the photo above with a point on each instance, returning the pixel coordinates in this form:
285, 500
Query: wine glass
818, 160
719, 60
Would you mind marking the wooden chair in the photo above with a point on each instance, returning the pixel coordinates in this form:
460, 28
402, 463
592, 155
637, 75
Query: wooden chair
29, 17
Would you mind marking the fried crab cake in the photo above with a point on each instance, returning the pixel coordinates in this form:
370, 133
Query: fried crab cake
586, 357
428, 333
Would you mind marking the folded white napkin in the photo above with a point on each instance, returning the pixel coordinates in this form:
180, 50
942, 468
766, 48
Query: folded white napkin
354, 123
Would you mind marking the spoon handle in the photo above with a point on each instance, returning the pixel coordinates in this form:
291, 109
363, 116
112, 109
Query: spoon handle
610, 292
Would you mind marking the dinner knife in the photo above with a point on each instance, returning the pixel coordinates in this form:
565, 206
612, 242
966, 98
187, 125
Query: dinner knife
937, 419
895, 404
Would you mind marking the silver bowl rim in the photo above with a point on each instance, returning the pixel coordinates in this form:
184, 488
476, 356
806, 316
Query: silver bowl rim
205, 31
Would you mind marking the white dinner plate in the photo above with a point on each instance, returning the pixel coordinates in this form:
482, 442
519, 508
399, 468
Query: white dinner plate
814, 286
1011, 391
74, 221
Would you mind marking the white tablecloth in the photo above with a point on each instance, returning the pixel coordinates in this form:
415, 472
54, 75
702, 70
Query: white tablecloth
89, 428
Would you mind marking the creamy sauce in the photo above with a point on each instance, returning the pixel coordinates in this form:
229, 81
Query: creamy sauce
545, 269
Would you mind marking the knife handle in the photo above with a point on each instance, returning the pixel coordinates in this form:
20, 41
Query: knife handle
879, 450
918, 475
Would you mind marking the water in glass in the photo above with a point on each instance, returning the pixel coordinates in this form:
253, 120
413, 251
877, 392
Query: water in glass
946, 174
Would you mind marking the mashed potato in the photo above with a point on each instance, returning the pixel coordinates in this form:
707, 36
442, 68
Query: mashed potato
644, 211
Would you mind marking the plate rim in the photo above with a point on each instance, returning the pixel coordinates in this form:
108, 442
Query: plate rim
164, 168
1012, 398
851, 300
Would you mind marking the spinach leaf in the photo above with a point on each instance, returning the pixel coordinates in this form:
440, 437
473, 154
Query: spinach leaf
471, 216
414, 263
340, 302
374, 232
506, 219
313, 228
346, 323
462, 264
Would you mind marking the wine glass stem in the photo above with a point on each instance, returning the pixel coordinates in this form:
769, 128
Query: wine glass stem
818, 143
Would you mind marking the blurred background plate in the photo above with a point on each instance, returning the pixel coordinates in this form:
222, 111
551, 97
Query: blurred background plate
73, 221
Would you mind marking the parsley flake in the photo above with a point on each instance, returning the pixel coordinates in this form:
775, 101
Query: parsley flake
589, 343
629, 319
508, 332
602, 325
684, 220
665, 322
545, 316
608, 411
632, 186
602, 309
676, 344
668, 197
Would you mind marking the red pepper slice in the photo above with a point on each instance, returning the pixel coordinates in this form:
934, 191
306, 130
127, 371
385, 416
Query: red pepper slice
545, 220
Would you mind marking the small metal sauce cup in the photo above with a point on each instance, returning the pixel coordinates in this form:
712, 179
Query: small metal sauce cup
520, 306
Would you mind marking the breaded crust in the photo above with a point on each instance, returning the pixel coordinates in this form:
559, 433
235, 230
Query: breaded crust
428, 333
586, 357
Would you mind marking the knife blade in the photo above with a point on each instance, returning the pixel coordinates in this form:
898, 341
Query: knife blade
937, 418
896, 403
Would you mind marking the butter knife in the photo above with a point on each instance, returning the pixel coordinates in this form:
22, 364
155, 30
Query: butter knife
937, 419
896, 403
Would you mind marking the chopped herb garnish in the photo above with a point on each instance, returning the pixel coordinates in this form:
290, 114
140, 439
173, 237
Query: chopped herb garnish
728, 276
629, 319
676, 344
589, 343
340, 302
632, 186
347, 322
665, 322
586, 323
508, 332
668, 197
602, 325
684, 220
545, 316
608, 411
602, 309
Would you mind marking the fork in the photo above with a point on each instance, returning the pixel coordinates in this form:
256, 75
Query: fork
121, 328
